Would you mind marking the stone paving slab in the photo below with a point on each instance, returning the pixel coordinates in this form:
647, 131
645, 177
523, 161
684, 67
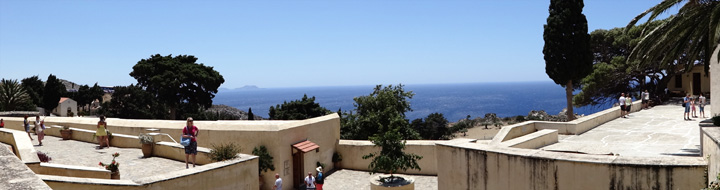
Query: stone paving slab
659, 131
352, 179
132, 165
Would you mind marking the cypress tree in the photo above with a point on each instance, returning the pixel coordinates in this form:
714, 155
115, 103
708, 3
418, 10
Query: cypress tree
568, 58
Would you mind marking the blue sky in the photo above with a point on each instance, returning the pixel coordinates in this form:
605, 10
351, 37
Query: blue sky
291, 43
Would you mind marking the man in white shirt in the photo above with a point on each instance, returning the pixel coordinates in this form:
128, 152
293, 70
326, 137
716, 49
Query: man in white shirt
646, 99
621, 100
310, 181
278, 182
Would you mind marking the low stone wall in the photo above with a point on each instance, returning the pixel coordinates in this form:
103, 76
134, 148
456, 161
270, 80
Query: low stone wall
710, 147
15, 174
239, 173
478, 166
21, 144
70, 171
574, 127
352, 152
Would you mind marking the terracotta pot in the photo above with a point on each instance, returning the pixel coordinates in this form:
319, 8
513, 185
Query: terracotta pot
147, 150
336, 166
66, 134
115, 175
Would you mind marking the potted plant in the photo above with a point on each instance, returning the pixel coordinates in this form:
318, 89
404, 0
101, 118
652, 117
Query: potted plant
114, 167
336, 159
66, 133
147, 142
391, 158
224, 152
265, 161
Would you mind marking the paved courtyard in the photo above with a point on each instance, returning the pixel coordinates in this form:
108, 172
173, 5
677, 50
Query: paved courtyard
132, 165
352, 179
659, 131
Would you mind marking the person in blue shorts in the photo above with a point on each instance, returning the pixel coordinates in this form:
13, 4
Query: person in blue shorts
686, 101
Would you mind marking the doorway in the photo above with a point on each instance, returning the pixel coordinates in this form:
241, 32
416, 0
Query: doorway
297, 169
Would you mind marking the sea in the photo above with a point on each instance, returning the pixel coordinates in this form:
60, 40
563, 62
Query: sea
454, 101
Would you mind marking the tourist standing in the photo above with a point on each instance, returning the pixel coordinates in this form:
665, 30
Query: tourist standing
278, 182
320, 179
686, 104
309, 181
621, 101
701, 103
646, 99
190, 131
101, 133
26, 124
37, 125
628, 104
2, 123
693, 103
40, 131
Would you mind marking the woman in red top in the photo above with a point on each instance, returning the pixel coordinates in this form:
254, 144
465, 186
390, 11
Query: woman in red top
2, 123
190, 131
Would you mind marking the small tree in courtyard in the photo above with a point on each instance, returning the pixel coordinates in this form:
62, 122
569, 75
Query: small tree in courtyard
391, 157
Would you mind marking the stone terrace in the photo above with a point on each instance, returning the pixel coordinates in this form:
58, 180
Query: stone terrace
132, 165
659, 131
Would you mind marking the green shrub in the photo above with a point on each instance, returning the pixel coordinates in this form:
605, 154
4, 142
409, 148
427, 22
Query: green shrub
224, 152
265, 161
336, 157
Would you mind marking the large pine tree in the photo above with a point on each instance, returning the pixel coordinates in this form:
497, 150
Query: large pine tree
568, 58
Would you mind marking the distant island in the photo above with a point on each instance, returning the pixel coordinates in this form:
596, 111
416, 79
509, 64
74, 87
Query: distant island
246, 87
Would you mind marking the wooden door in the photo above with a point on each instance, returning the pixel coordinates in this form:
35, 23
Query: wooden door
298, 170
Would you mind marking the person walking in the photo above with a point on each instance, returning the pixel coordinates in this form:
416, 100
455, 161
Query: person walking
686, 104
26, 124
40, 128
190, 131
693, 103
701, 104
320, 179
621, 101
278, 182
2, 123
646, 99
101, 133
309, 181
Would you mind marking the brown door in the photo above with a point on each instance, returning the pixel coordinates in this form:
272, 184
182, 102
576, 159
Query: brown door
298, 169
696, 84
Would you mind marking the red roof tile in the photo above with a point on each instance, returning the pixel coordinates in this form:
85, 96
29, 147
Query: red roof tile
305, 146
63, 99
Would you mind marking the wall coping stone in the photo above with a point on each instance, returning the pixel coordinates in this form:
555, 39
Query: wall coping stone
151, 179
586, 158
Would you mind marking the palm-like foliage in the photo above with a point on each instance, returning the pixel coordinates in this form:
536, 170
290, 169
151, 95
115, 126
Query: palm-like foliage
687, 37
12, 96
